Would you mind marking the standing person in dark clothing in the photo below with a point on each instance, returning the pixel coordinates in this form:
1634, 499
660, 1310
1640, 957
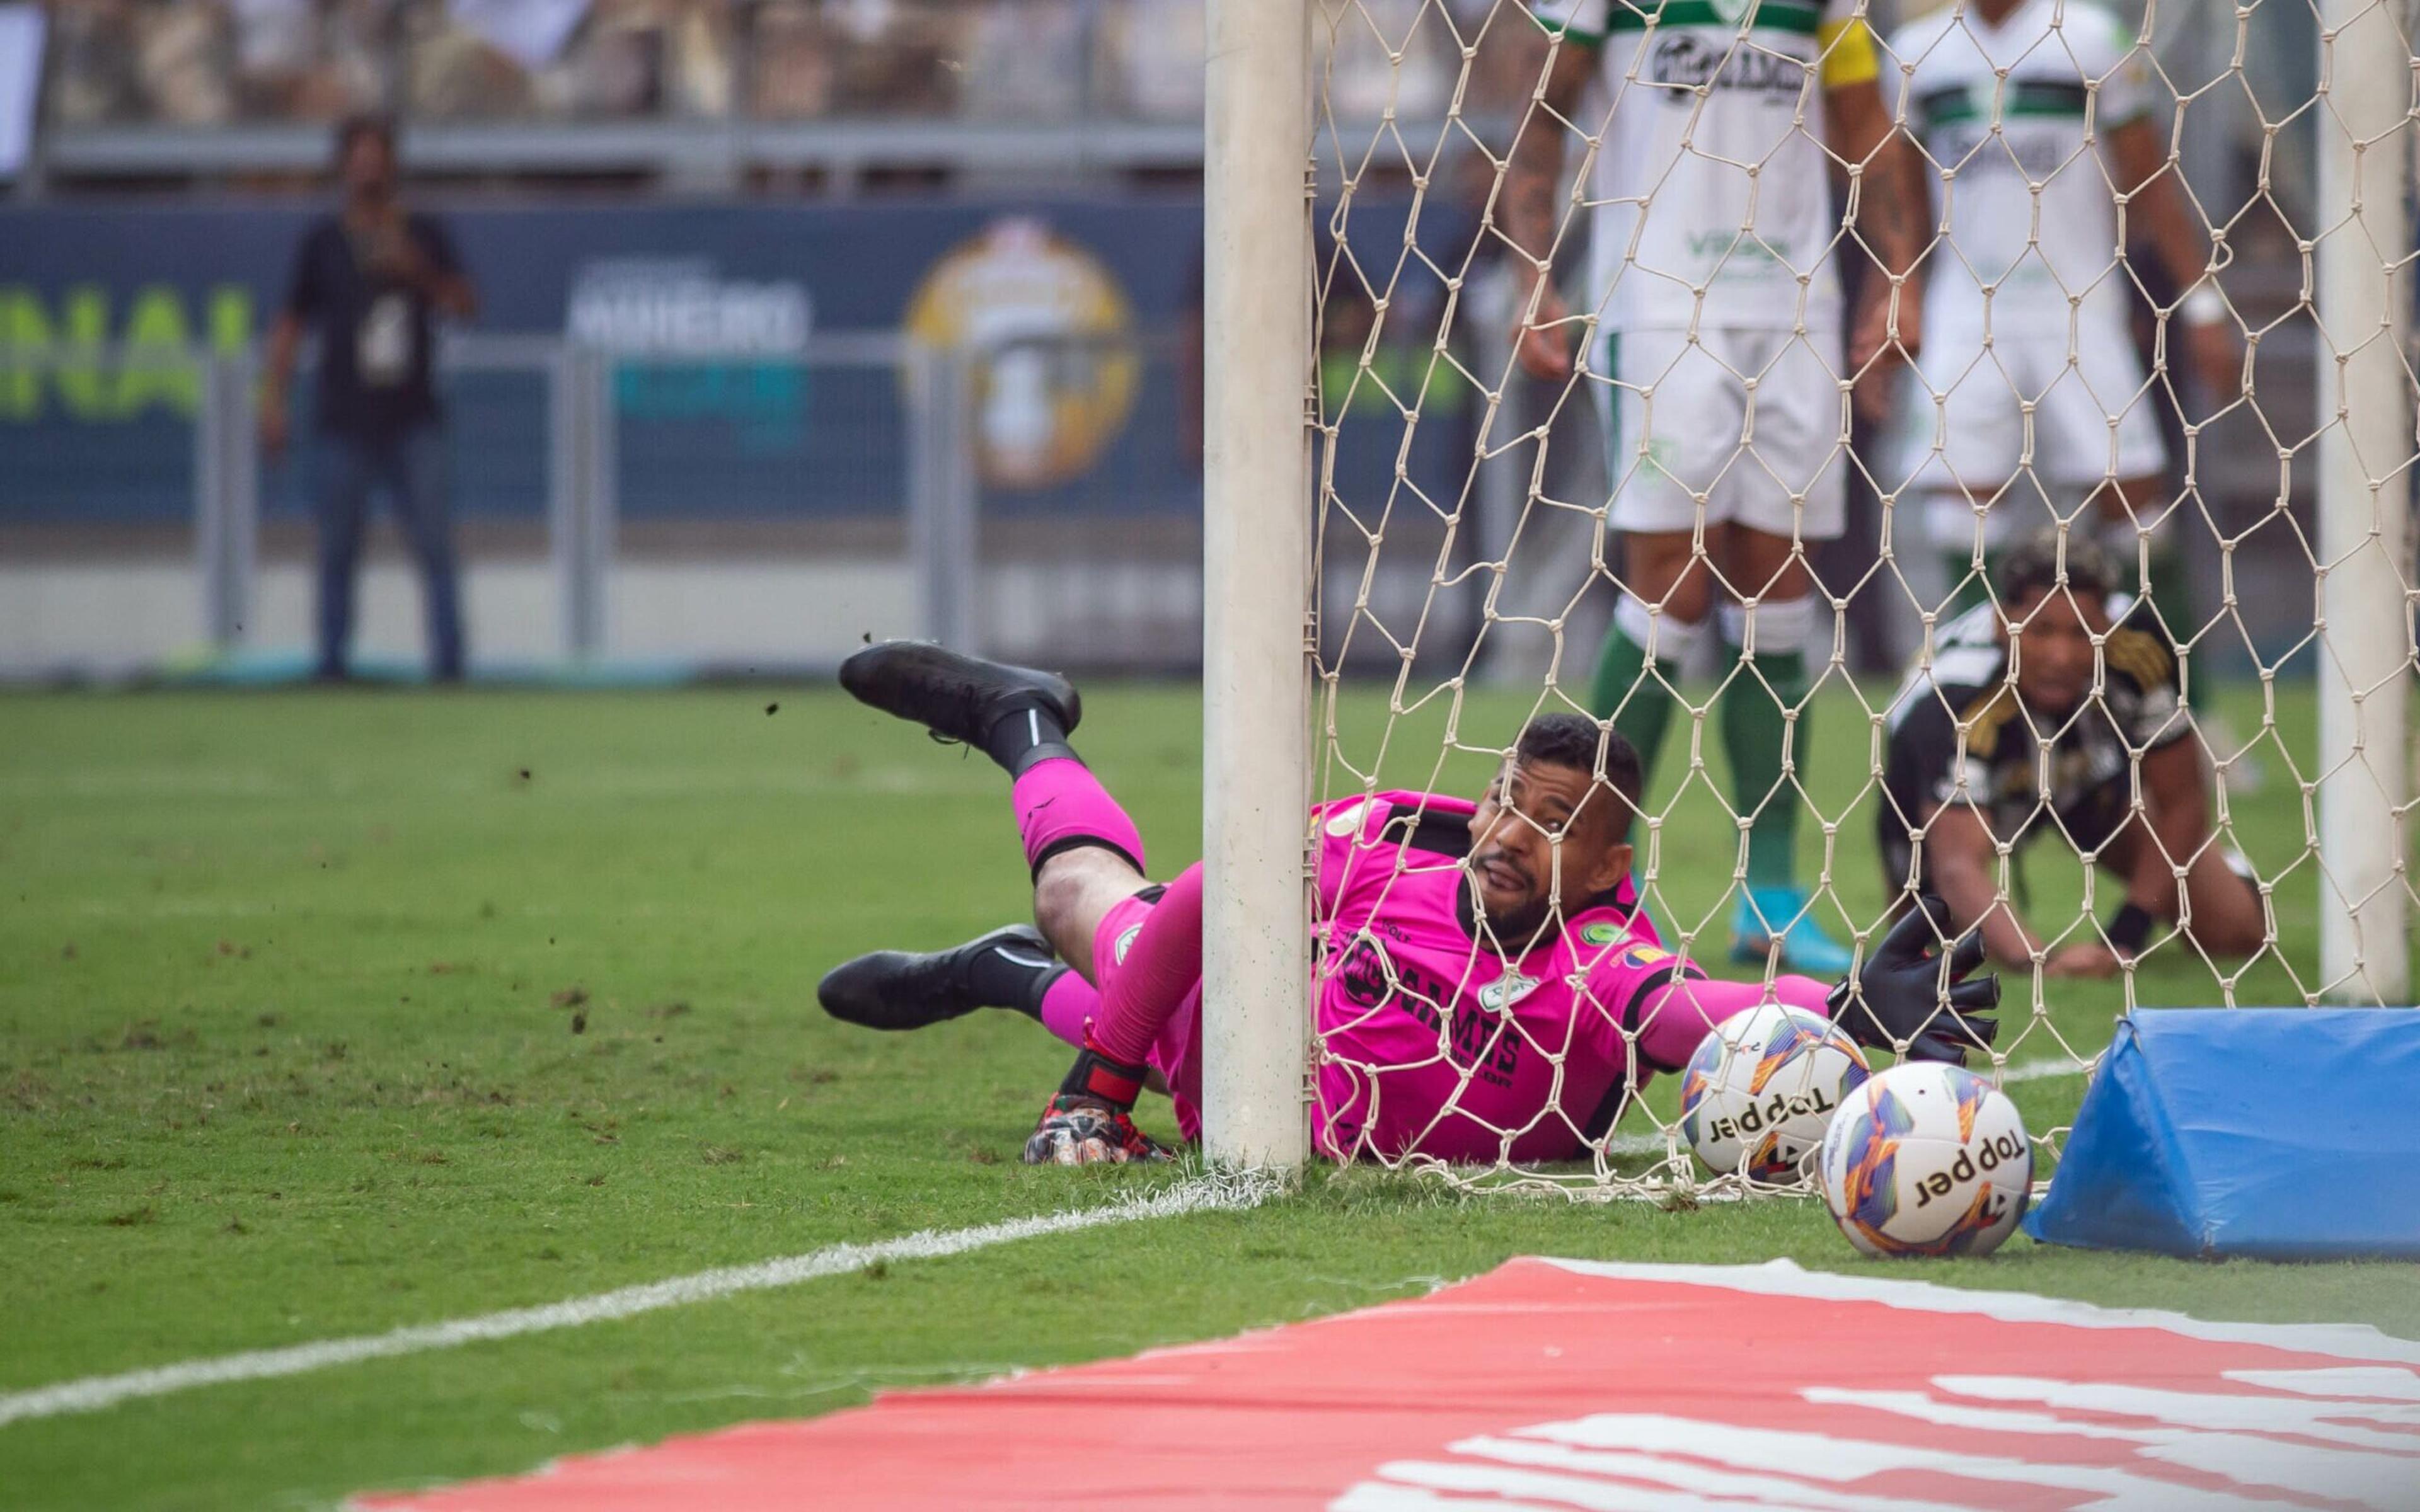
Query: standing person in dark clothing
369, 282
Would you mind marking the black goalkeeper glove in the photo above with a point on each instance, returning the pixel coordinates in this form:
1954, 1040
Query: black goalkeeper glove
1903, 998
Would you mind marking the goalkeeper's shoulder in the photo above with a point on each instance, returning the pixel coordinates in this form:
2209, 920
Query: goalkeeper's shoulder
1399, 814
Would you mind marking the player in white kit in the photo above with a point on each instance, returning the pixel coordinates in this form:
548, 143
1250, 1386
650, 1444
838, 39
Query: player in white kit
1711, 338
2034, 112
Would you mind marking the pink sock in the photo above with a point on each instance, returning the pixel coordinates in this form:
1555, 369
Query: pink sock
1157, 976
1069, 1004
1061, 800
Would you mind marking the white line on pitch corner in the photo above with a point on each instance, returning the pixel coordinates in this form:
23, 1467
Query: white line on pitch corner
2032, 1071
1201, 1194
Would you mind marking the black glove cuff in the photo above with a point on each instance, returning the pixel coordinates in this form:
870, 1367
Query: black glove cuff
1094, 1075
2129, 928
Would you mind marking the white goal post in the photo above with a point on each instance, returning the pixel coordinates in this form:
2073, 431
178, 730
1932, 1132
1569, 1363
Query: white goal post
1284, 126
1256, 662
2365, 272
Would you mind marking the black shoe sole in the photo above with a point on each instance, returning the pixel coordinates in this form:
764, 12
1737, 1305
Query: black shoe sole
952, 694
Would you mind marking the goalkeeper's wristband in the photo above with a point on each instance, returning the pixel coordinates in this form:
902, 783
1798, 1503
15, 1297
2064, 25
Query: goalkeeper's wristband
2129, 928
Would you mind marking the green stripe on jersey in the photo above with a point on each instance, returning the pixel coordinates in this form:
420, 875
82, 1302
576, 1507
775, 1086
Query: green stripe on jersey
1959, 104
1564, 31
2047, 97
1731, 15
1951, 106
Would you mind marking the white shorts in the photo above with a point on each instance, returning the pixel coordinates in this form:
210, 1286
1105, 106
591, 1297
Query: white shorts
2092, 420
1684, 440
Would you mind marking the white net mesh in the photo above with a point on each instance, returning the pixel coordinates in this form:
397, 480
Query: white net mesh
1609, 341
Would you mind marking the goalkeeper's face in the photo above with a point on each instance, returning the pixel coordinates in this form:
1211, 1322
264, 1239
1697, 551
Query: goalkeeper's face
1544, 832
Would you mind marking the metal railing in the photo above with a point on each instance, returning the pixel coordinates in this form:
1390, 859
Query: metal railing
583, 450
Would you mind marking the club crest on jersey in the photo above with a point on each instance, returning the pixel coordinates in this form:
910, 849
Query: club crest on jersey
1125, 943
1505, 991
1603, 932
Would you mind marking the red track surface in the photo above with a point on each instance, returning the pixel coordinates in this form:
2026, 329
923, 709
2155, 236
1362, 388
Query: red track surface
1653, 1388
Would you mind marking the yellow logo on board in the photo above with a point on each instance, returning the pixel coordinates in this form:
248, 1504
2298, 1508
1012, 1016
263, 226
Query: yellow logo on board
1051, 335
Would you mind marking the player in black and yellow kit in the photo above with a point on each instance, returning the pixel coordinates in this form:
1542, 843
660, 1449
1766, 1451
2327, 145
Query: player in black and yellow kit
2033, 716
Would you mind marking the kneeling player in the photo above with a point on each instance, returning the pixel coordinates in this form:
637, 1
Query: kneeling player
1967, 770
1489, 987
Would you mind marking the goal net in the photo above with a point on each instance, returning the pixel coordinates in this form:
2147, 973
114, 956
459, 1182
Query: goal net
1706, 369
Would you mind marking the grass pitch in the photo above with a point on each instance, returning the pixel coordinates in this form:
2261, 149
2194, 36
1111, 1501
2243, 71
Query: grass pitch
325, 1014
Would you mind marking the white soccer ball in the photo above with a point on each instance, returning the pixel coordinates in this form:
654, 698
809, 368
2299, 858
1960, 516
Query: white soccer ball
1762, 1088
1927, 1159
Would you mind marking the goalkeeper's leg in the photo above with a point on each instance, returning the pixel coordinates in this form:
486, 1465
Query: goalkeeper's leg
1087, 858
1085, 853
1011, 969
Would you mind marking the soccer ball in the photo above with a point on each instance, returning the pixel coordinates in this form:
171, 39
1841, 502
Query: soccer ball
1757, 1096
1927, 1159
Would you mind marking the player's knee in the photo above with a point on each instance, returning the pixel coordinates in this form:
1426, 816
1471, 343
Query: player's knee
1687, 602
1060, 893
1072, 893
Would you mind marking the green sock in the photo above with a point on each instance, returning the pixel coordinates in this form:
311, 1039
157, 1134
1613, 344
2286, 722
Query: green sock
1753, 733
1639, 702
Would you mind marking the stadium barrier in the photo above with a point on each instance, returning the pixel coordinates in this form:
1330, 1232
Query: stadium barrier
623, 517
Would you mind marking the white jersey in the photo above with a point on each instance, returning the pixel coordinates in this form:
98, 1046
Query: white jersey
2030, 207
1712, 211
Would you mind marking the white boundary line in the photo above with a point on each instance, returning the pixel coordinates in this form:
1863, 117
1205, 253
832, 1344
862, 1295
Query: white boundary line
1785, 1278
2032, 1071
1216, 1192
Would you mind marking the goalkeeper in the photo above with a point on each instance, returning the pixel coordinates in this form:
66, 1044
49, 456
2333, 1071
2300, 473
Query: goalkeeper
2061, 660
1489, 985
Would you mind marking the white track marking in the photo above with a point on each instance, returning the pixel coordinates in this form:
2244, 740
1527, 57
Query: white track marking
2032, 1071
2352, 1342
1217, 1192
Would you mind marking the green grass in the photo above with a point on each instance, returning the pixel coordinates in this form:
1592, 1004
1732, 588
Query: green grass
321, 1014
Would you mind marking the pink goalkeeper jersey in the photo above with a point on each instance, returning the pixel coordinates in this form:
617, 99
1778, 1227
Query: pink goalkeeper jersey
1434, 1044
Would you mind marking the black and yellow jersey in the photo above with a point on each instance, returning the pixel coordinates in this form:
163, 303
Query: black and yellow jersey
1959, 734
